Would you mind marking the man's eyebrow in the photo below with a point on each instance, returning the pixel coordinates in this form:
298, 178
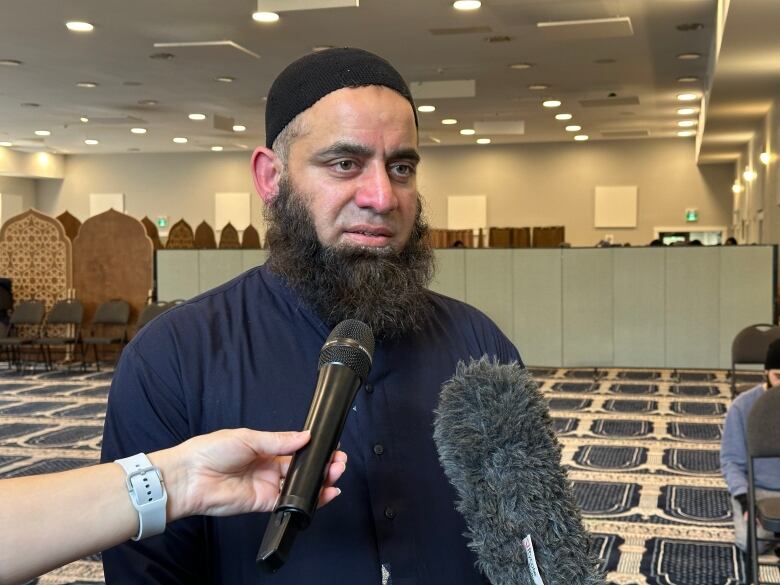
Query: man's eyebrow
405, 154
343, 148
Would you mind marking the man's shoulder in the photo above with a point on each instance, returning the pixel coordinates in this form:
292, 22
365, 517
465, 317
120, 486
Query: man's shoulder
747, 399
456, 308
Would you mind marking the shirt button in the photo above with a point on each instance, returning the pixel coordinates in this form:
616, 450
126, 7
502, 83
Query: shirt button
379, 448
389, 513
369, 388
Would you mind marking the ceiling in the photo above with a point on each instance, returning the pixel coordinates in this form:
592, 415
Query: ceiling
642, 68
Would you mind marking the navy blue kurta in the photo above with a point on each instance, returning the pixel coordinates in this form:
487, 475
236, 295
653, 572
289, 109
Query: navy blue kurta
245, 355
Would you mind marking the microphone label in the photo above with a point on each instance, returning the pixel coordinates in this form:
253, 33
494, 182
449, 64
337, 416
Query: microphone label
528, 546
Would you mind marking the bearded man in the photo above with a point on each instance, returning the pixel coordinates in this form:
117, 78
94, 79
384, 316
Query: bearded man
347, 240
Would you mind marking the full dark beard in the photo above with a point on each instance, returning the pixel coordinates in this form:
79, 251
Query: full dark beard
383, 288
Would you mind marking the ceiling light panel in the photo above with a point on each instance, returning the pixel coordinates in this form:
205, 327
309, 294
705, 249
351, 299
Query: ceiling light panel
467, 5
79, 26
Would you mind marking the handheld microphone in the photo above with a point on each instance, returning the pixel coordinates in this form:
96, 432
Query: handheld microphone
498, 448
345, 361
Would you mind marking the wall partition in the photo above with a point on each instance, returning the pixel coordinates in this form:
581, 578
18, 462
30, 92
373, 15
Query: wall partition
670, 307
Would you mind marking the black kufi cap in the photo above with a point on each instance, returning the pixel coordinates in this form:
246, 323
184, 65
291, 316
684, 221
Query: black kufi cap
772, 361
309, 79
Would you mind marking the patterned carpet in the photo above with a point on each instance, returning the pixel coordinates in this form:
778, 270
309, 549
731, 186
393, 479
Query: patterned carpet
641, 446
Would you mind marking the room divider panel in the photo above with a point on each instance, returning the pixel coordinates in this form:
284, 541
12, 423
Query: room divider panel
71, 224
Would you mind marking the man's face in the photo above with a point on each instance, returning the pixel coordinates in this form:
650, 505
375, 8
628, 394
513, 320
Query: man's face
356, 164
774, 377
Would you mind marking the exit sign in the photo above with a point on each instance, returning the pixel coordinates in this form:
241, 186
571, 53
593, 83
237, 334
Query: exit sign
162, 221
691, 215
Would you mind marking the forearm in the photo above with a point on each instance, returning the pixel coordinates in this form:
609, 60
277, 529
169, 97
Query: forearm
49, 520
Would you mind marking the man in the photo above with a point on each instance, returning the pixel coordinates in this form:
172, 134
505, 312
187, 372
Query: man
734, 455
347, 240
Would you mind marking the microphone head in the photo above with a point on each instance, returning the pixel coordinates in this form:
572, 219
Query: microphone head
498, 448
351, 343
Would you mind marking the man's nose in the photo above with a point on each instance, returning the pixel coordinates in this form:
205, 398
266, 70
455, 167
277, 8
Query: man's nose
376, 190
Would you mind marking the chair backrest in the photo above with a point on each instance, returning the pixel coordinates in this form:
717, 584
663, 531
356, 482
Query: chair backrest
28, 313
67, 312
763, 430
750, 344
151, 311
113, 312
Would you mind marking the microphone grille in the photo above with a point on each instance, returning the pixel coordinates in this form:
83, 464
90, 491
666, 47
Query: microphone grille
342, 347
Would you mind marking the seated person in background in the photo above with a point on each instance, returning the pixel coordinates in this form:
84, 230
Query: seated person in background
734, 455
656, 242
732, 241
695, 243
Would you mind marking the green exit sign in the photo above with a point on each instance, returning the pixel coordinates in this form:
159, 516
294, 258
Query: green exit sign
162, 222
691, 215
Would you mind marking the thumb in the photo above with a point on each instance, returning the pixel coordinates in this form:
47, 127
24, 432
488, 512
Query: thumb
281, 443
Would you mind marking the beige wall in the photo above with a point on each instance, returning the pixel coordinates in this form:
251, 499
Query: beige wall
27, 188
553, 184
526, 185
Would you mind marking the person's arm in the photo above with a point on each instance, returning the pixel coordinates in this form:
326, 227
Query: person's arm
49, 520
733, 452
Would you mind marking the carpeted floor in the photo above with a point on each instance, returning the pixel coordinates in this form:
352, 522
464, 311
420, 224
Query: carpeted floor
641, 447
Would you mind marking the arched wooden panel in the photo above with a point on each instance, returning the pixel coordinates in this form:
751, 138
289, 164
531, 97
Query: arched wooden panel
251, 239
228, 239
180, 237
112, 259
71, 224
204, 237
36, 254
151, 231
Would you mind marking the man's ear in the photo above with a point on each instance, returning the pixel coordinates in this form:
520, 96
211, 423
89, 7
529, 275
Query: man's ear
266, 172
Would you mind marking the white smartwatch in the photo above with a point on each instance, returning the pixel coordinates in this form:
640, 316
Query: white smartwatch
147, 494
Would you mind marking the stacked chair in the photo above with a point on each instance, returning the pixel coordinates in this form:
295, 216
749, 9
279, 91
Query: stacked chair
109, 327
62, 328
23, 330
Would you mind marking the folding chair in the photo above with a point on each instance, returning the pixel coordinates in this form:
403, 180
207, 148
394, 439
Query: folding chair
749, 347
23, 330
64, 316
109, 327
151, 311
763, 441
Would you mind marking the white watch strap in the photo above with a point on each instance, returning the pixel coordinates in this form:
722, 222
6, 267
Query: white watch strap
147, 494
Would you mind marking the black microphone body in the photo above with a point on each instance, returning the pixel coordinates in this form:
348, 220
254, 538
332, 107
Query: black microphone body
498, 448
345, 360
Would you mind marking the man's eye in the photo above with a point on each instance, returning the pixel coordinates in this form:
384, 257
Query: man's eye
403, 170
345, 165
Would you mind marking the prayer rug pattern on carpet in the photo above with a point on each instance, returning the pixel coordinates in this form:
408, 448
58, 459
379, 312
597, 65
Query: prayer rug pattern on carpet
641, 448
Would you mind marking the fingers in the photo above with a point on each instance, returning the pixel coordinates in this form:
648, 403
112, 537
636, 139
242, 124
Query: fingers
284, 443
327, 495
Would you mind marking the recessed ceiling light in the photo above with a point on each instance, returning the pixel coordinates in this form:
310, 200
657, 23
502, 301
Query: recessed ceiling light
91, 142
538, 87
688, 79
226, 79
483, 140
138, 130
84, 119
581, 137
466, 4
765, 158
426, 109
87, 84
10, 63
689, 26
320, 48
147, 102
573, 128
42, 133
260, 16
686, 123
30, 105
468, 131
689, 56
6, 143
551, 103
686, 111
736, 188
216, 148
521, 66
180, 140
79, 26
749, 175
686, 133
563, 116
162, 56
197, 117
239, 128
449, 121
687, 97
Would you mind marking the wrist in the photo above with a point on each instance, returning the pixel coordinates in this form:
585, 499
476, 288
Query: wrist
174, 472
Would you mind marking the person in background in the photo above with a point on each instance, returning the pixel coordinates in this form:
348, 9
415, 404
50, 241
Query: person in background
731, 241
51, 519
734, 455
